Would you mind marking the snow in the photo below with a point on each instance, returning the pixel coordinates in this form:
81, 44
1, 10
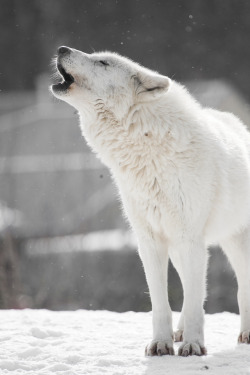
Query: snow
103, 342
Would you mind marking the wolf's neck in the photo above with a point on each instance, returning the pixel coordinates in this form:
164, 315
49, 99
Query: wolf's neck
102, 131
115, 140
146, 131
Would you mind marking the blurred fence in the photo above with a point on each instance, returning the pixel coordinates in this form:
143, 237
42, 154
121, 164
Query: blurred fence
97, 271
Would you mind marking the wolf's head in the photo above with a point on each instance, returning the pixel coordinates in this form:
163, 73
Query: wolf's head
116, 81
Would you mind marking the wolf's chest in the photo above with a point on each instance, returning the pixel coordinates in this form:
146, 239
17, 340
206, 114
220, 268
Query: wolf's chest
154, 189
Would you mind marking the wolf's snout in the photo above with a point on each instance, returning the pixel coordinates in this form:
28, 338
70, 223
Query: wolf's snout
63, 50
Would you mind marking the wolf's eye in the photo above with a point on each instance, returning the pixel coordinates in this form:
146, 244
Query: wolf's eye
104, 62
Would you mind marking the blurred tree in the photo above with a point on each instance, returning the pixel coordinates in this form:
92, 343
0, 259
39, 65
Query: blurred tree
9, 287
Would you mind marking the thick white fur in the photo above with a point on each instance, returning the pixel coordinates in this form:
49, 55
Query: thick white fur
183, 172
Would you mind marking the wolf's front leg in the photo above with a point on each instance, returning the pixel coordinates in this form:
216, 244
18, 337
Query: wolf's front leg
191, 257
154, 255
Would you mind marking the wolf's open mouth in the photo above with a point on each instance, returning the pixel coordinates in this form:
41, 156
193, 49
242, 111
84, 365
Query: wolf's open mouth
68, 79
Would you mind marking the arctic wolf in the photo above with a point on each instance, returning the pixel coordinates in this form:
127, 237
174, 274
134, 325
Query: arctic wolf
183, 173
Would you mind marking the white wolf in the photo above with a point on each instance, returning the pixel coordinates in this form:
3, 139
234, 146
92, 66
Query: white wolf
183, 173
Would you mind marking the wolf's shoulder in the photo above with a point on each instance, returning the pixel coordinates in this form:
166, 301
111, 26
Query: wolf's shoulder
226, 123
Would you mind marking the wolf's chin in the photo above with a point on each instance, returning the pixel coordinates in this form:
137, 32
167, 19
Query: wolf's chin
61, 88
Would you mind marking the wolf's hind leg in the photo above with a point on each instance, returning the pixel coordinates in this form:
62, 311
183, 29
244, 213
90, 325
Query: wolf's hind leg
190, 259
237, 248
178, 334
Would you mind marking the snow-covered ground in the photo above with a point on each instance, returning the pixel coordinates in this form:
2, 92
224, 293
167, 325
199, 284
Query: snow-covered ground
101, 342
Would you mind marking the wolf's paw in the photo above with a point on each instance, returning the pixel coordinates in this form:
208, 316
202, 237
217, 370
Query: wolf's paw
244, 337
178, 335
159, 348
192, 348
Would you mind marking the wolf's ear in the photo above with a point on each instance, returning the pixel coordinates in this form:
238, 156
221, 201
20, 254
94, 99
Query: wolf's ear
150, 84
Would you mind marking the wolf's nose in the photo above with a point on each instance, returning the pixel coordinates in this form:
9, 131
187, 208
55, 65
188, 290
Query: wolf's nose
63, 50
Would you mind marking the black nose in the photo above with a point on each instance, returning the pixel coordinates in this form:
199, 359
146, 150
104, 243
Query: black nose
63, 50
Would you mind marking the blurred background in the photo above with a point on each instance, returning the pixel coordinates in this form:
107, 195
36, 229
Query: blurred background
63, 241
